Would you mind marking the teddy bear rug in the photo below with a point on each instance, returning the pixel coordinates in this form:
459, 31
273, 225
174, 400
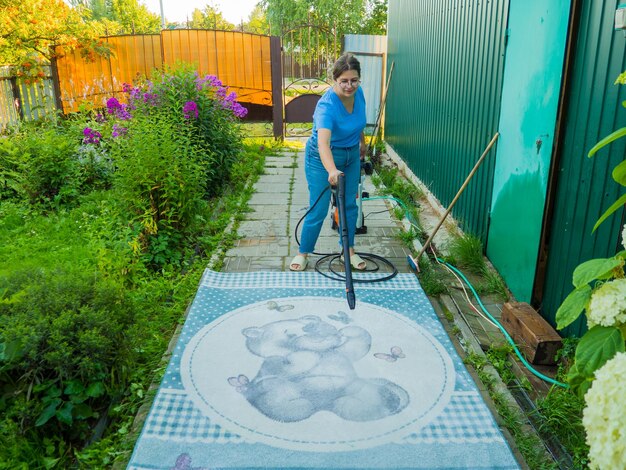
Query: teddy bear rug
272, 370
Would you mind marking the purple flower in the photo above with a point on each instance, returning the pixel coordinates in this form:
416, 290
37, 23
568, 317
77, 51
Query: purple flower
190, 109
239, 111
213, 80
221, 92
91, 136
118, 130
123, 113
112, 105
100, 118
119, 109
150, 98
126, 87
135, 93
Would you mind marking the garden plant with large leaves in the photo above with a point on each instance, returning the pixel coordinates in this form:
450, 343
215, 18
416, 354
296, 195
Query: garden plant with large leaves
600, 292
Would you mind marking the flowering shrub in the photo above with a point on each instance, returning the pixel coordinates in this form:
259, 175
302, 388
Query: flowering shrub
604, 417
173, 140
607, 306
599, 370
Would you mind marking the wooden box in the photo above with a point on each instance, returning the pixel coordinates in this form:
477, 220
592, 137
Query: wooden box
534, 336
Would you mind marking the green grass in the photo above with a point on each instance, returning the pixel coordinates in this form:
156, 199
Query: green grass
430, 279
492, 283
561, 416
529, 444
466, 251
92, 239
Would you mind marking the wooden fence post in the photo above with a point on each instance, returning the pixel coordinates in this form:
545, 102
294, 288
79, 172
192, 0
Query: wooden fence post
56, 84
17, 97
277, 86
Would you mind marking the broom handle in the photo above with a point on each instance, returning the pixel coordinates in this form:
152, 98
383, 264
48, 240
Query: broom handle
458, 195
381, 109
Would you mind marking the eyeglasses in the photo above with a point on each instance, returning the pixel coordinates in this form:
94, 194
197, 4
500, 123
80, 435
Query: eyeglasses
355, 82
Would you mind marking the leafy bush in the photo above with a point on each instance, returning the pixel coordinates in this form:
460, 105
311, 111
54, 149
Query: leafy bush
90, 292
41, 165
173, 145
64, 336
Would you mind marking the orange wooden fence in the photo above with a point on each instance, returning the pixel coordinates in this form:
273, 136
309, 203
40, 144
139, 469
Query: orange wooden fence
242, 61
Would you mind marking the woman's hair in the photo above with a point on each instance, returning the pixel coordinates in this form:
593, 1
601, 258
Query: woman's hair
346, 62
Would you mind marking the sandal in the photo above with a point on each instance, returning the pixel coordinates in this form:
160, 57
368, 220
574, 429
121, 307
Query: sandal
300, 261
356, 262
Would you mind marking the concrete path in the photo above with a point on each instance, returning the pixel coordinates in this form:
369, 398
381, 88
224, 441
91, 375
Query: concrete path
280, 200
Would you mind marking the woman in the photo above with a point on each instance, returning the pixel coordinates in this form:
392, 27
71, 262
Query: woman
336, 146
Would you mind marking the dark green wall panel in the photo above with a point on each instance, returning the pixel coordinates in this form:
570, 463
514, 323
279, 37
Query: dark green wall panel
584, 187
444, 96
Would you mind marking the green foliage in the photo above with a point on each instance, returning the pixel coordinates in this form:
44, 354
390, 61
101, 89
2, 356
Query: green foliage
346, 17
430, 279
601, 342
492, 283
86, 308
390, 183
561, 416
40, 166
34, 32
466, 251
527, 442
210, 18
499, 359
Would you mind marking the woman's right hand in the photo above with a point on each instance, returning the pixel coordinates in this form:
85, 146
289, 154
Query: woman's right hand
333, 176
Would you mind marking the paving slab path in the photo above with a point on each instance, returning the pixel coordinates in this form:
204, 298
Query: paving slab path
267, 234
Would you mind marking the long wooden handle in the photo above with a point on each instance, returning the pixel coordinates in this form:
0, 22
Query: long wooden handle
381, 108
458, 195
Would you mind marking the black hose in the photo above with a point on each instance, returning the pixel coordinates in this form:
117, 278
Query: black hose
331, 257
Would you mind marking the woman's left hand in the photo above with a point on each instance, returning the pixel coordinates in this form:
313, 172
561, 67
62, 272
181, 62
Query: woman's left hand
362, 151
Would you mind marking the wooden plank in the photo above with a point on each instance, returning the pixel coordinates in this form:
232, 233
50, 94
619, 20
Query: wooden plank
534, 336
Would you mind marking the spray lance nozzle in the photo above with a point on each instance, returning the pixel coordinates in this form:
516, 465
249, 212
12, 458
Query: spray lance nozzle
340, 195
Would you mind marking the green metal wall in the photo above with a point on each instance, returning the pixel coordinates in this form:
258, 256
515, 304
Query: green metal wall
444, 96
584, 187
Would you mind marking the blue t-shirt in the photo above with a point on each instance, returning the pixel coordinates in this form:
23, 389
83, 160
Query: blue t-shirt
345, 128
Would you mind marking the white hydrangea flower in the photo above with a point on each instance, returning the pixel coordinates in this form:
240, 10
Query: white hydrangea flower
624, 237
608, 304
604, 416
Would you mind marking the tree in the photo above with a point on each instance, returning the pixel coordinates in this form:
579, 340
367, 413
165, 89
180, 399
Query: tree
120, 16
134, 17
33, 32
343, 16
376, 18
257, 21
210, 18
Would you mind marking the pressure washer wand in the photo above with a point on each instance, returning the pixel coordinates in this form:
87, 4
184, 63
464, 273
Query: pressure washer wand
343, 231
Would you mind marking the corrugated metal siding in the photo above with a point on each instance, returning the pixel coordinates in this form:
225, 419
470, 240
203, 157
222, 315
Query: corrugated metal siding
372, 67
444, 96
374, 44
585, 188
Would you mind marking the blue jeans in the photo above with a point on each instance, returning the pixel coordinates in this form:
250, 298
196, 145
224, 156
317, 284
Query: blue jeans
347, 161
